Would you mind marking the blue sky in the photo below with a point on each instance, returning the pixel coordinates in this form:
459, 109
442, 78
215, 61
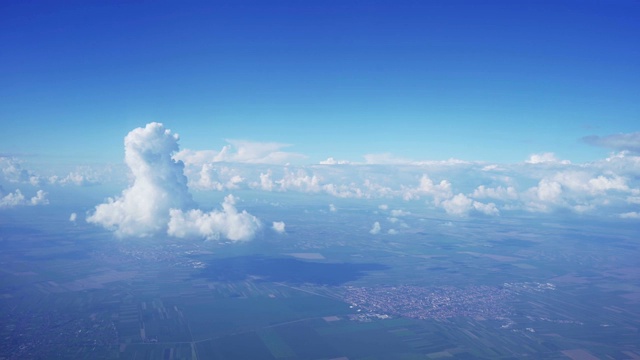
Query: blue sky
425, 80
457, 108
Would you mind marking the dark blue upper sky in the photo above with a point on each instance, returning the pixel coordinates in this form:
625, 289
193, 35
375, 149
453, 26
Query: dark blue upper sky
492, 80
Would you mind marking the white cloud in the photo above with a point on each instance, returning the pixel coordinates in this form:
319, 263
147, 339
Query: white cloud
383, 207
40, 198
266, 183
80, 177
228, 223
12, 199
343, 191
438, 191
377, 190
212, 177
241, 151
156, 201
548, 191
630, 215
392, 232
602, 184
548, 158
581, 181
332, 161
398, 213
500, 193
461, 205
487, 209
159, 185
300, 181
306, 181
457, 205
73, 217
375, 229
579, 190
13, 171
332, 208
16, 198
542, 183
279, 227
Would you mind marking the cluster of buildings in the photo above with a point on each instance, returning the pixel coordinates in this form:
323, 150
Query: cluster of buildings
478, 301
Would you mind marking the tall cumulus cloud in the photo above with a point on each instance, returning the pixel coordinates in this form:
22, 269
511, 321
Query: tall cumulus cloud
158, 201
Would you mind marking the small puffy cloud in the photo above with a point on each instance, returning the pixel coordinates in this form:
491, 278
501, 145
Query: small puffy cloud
212, 177
377, 189
332, 208
585, 183
383, 207
300, 180
343, 191
73, 217
228, 223
332, 161
457, 205
579, 190
159, 201
80, 178
601, 184
40, 198
13, 171
548, 191
279, 227
619, 142
12, 199
461, 205
266, 183
16, 198
306, 181
487, 209
392, 232
375, 229
546, 158
399, 213
439, 191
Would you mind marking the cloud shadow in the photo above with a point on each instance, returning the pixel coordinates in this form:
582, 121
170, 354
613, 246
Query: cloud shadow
288, 270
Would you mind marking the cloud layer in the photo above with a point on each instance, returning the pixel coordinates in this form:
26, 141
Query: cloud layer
540, 183
163, 175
